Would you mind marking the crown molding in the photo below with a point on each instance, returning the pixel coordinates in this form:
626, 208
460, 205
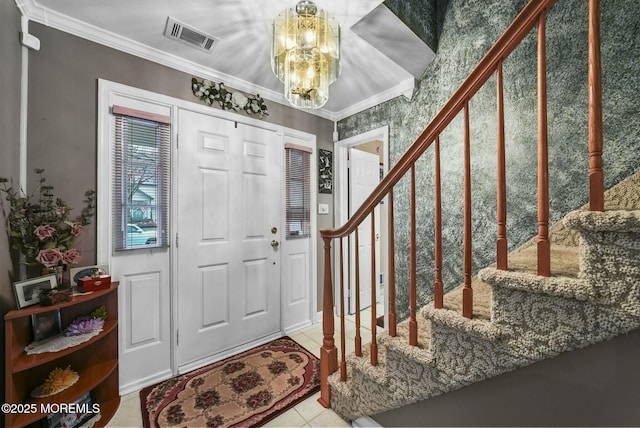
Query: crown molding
33, 11
406, 87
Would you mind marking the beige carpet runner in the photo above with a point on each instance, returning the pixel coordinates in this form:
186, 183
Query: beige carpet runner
245, 390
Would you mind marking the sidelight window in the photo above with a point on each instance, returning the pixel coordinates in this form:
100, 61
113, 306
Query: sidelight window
298, 188
141, 182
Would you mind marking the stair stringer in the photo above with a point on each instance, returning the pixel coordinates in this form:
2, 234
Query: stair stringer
532, 318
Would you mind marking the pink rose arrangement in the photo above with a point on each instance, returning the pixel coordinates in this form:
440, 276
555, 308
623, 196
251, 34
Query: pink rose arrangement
40, 225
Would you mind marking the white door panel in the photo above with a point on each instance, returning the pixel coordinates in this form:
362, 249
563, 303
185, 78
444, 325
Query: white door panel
145, 329
228, 200
364, 176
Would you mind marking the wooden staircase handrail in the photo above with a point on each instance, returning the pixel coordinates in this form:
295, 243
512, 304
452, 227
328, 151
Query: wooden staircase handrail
532, 15
506, 43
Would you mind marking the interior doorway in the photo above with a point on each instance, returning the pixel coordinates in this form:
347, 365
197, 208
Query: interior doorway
372, 145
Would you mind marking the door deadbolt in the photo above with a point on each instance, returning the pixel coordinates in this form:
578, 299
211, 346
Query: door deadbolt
274, 230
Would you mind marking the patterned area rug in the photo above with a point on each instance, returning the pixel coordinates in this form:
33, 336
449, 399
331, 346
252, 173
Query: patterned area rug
245, 390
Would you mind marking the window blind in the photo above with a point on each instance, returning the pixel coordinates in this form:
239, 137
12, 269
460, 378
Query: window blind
141, 179
298, 192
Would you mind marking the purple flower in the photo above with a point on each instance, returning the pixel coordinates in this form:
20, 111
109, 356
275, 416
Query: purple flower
82, 325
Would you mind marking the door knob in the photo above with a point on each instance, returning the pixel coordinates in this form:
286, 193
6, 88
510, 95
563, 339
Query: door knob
275, 243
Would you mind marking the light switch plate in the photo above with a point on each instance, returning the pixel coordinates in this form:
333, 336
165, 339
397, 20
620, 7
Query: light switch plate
323, 208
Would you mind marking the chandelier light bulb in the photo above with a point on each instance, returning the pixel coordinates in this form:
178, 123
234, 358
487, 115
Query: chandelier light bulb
305, 53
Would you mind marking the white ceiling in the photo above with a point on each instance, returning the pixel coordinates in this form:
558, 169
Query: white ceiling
241, 58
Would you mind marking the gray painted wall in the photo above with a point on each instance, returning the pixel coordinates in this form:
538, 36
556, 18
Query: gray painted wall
62, 117
10, 52
468, 29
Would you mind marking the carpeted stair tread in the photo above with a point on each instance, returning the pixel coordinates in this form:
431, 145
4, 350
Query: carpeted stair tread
572, 288
481, 299
564, 264
604, 221
479, 327
564, 261
363, 363
400, 343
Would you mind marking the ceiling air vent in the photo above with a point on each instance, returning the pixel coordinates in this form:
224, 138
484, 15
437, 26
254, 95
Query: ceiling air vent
178, 31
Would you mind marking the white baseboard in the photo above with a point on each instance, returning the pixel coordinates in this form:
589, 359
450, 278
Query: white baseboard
298, 326
365, 421
142, 383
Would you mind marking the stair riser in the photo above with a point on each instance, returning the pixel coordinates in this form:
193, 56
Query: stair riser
462, 359
342, 403
537, 326
411, 379
366, 397
611, 262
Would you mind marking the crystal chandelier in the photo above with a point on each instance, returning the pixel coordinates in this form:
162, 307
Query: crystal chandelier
305, 54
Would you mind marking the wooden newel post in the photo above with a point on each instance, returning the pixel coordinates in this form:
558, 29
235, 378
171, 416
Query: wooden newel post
328, 351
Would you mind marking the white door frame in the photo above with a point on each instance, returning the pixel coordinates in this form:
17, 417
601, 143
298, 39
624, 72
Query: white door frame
103, 245
341, 210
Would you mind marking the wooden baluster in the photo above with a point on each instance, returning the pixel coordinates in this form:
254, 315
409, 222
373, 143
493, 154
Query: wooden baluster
438, 288
374, 320
501, 242
596, 176
467, 292
343, 357
328, 351
392, 271
358, 339
544, 247
413, 324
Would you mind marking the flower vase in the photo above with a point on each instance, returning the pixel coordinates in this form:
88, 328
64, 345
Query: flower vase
58, 271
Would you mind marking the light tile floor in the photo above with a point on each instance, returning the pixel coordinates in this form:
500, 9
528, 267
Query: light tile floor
307, 413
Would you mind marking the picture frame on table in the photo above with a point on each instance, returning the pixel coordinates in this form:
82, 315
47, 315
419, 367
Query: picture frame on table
79, 272
46, 324
28, 291
86, 407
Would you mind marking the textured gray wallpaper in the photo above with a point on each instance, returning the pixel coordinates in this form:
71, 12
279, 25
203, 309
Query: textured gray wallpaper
467, 31
420, 16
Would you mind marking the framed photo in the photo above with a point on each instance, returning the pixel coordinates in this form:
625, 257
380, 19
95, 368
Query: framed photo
325, 171
86, 409
79, 272
28, 291
46, 324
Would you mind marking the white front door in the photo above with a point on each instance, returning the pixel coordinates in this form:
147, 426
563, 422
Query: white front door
228, 202
364, 176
